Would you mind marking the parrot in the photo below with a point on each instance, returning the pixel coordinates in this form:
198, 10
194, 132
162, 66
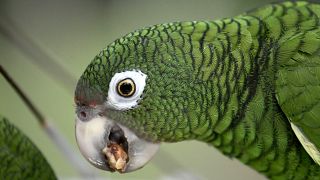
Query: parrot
247, 85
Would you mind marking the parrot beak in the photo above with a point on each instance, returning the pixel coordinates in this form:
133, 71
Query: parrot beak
112, 147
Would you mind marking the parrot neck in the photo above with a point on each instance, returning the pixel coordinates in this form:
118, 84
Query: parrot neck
261, 138
242, 118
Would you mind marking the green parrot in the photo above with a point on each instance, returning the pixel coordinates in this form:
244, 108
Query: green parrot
248, 85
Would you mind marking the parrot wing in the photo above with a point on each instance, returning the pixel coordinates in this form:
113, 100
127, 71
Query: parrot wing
298, 87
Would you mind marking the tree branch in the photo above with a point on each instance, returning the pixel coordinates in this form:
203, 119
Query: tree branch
23, 96
51, 131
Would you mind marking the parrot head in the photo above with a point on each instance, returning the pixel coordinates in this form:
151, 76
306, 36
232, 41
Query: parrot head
136, 93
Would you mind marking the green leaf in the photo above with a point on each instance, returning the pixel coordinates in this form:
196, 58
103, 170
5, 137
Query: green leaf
19, 157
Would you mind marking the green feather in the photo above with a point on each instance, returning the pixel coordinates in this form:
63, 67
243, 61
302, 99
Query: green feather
237, 83
20, 158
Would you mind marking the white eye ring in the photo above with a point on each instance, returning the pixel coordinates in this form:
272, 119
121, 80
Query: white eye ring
119, 102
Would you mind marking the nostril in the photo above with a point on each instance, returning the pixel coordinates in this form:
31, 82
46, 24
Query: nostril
83, 114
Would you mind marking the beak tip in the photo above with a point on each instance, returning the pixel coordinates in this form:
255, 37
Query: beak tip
93, 137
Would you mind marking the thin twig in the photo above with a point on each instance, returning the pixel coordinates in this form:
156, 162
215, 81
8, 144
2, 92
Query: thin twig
51, 131
23, 96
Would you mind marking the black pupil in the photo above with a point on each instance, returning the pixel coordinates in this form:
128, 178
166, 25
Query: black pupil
126, 88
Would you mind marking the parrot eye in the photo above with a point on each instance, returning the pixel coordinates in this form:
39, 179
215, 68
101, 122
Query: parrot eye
125, 89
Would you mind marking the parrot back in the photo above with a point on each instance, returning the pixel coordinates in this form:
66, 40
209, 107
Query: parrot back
298, 76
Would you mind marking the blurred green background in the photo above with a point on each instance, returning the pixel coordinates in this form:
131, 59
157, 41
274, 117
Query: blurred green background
73, 32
